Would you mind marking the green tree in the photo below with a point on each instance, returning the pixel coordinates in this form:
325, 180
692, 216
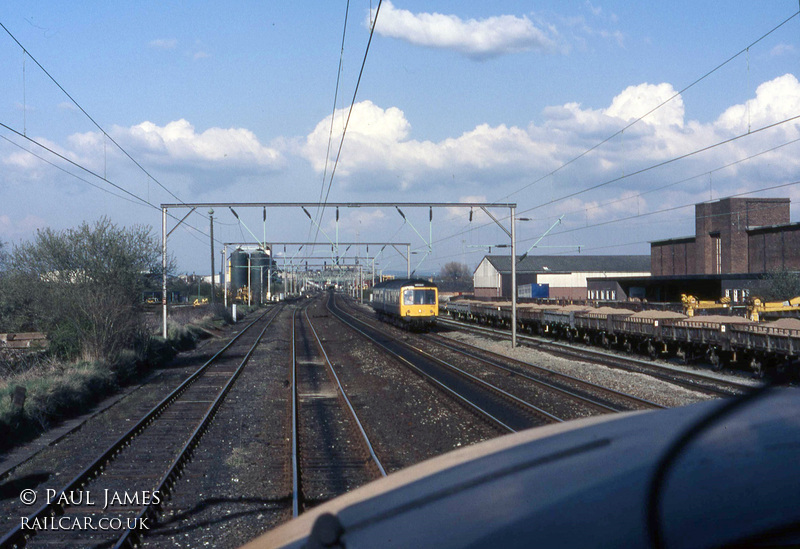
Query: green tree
83, 285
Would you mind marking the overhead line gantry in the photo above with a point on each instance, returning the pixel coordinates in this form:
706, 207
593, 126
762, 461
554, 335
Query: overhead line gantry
485, 206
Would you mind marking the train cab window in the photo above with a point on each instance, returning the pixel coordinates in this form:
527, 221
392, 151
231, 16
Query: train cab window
419, 297
424, 297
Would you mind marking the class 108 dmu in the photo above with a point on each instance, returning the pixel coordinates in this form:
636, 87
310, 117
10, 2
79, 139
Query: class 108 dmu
410, 303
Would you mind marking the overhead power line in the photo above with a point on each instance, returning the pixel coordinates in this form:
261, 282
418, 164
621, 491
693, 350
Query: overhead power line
664, 163
134, 196
78, 105
333, 112
349, 113
654, 109
670, 209
56, 166
638, 172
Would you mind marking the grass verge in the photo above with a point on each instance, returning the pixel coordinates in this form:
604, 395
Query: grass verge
55, 390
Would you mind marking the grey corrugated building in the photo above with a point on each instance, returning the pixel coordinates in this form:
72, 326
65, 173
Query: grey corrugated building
565, 274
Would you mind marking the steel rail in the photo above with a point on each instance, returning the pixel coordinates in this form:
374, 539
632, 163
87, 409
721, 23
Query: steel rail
132, 536
347, 400
692, 380
548, 371
295, 427
544, 384
438, 383
484, 383
486, 386
17, 537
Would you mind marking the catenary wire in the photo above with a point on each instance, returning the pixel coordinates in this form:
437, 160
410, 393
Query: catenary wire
56, 166
333, 117
686, 88
349, 112
638, 172
143, 201
87, 114
657, 107
684, 180
645, 214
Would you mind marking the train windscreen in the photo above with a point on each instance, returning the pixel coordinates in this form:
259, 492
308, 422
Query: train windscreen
419, 297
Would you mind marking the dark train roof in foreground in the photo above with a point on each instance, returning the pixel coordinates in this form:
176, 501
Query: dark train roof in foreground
584, 483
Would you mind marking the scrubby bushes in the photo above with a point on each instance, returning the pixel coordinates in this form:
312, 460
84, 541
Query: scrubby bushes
83, 287
58, 388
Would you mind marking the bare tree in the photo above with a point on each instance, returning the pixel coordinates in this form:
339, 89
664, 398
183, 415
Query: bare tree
455, 277
83, 285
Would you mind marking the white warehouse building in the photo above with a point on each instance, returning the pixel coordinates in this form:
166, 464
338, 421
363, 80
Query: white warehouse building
565, 275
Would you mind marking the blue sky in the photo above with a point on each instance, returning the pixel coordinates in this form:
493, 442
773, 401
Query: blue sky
459, 101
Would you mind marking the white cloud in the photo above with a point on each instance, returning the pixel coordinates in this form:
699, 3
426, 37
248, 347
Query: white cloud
377, 142
478, 39
635, 101
11, 229
164, 43
783, 49
381, 154
178, 142
627, 203
775, 100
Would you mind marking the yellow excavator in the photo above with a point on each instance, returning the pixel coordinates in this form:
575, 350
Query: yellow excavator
242, 295
756, 308
692, 304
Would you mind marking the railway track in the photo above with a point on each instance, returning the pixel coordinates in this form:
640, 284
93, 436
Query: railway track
602, 399
563, 395
489, 402
331, 451
126, 484
695, 381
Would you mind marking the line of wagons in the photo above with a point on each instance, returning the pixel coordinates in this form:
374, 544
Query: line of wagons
717, 340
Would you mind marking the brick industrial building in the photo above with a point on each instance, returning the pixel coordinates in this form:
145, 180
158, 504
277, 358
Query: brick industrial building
732, 236
736, 241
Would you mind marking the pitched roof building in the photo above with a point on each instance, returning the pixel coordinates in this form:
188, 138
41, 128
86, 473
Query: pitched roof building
564, 275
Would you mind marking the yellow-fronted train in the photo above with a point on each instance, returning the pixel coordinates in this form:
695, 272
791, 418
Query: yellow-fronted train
407, 302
